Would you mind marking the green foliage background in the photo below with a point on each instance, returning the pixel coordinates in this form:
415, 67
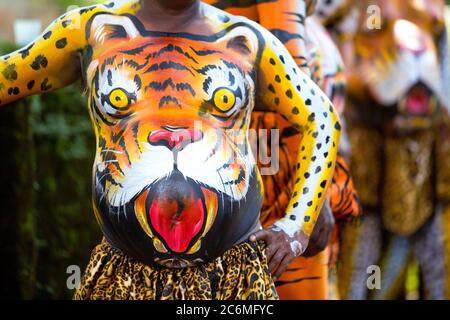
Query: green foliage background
46, 221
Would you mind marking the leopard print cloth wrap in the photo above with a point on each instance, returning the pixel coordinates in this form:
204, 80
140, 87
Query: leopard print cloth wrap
241, 273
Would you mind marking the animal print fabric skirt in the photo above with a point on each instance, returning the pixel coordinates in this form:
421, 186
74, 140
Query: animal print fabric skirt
241, 273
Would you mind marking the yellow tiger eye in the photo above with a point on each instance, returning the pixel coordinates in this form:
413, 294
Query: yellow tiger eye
224, 99
118, 98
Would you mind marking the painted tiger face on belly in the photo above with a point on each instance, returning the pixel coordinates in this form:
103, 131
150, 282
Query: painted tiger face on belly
173, 160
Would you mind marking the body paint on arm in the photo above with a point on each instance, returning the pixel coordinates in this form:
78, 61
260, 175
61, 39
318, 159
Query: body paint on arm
286, 89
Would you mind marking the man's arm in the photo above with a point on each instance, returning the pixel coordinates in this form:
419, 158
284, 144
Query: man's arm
283, 87
321, 234
50, 62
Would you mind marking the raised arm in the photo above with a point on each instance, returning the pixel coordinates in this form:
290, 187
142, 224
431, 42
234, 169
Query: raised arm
283, 87
48, 63
53, 60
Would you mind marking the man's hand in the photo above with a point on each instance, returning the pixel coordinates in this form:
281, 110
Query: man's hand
281, 248
322, 232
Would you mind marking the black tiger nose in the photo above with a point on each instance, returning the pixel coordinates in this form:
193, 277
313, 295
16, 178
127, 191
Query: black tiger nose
174, 138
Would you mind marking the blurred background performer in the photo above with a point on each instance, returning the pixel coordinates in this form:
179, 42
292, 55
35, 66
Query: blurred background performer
315, 53
399, 132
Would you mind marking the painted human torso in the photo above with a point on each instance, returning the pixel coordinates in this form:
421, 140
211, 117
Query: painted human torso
172, 114
175, 181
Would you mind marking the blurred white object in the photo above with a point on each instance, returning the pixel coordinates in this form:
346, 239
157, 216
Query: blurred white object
25, 31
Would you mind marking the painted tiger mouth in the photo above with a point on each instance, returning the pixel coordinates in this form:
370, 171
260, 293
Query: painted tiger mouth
419, 100
176, 212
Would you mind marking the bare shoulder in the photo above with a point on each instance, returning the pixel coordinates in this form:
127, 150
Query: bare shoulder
224, 17
110, 7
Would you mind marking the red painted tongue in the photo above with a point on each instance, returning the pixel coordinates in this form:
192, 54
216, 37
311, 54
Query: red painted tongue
417, 101
177, 214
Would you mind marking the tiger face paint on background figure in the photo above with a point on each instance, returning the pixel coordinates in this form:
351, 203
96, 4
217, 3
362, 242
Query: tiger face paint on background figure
175, 181
398, 126
306, 278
